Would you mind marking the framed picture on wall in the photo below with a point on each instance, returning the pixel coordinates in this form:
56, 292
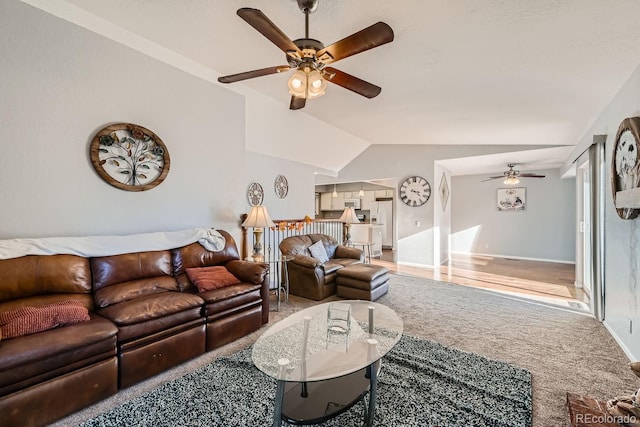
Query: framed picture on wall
512, 199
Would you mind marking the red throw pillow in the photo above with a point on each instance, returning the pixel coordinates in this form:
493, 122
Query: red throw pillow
209, 278
29, 320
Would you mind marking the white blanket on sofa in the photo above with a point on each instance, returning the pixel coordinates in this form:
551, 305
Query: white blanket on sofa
92, 246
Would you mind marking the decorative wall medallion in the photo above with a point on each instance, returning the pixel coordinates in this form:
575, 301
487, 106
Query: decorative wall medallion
415, 191
444, 191
255, 194
281, 186
129, 157
625, 173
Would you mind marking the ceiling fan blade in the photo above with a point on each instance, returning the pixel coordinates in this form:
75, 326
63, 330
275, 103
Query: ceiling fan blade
255, 73
350, 82
531, 175
260, 22
493, 177
297, 103
373, 36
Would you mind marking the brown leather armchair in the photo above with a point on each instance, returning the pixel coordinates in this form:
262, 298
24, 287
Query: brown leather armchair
308, 276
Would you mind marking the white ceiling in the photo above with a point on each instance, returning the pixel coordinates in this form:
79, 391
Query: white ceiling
516, 72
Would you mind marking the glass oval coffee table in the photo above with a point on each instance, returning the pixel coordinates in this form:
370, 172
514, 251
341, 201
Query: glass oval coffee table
326, 359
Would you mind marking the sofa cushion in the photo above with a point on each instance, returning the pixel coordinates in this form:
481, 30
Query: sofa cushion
318, 251
209, 278
150, 307
125, 291
196, 255
111, 270
230, 298
35, 358
34, 275
32, 319
332, 267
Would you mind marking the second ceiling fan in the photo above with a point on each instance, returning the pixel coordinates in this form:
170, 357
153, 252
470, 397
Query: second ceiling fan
309, 57
512, 176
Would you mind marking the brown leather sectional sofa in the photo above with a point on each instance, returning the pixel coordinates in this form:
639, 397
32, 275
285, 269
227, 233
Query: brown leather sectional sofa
145, 317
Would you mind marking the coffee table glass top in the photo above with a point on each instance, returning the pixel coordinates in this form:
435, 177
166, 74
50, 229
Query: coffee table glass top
330, 351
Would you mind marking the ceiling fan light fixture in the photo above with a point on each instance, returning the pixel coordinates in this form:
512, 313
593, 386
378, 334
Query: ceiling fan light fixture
297, 84
306, 83
317, 84
511, 180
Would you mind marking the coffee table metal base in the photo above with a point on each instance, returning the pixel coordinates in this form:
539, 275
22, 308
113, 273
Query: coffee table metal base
325, 399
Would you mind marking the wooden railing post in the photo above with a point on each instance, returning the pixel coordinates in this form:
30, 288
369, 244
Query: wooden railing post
243, 245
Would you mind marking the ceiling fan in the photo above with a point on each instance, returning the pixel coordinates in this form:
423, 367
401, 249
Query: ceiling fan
512, 176
309, 57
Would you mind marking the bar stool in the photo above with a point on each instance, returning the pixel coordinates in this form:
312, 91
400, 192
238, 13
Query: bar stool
366, 248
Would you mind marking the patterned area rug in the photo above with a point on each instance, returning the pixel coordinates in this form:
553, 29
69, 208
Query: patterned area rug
422, 383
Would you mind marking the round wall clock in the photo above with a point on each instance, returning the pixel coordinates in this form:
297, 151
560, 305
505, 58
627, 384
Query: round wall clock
625, 162
255, 194
415, 191
281, 186
129, 157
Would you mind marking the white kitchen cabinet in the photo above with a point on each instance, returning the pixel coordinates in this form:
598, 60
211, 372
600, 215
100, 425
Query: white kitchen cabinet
338, 202
325, 201
389, 192
369, 196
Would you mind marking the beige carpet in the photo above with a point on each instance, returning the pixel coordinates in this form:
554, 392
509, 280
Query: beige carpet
563, 350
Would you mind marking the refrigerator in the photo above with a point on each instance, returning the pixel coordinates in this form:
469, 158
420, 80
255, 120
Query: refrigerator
382, 213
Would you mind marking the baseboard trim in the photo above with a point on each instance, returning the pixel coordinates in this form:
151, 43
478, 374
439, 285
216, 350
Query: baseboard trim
415, 264
515, 257
621, 343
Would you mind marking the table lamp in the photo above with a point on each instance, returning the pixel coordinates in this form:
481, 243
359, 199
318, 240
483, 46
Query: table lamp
348, 217
257, 219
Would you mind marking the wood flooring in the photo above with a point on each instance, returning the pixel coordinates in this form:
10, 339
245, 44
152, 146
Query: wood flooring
545, 281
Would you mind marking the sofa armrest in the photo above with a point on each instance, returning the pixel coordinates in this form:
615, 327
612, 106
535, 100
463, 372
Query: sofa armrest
254, 272
306, 261
347, 252
251, 272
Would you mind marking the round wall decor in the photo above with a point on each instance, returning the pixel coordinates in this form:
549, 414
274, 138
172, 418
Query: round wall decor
625, 173
129, 157
415, 191
281, 186
255, 194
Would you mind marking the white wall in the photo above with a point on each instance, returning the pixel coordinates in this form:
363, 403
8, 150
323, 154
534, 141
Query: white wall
545, 230
396, 162
299, 201
60, 84
441, 214
622, 237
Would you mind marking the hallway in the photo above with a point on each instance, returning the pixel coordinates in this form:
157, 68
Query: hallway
546, 282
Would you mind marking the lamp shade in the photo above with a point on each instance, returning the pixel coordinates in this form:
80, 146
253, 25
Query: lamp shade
258, 218
349, 216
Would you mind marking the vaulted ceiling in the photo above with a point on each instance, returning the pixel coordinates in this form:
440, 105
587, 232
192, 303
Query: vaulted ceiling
513, 72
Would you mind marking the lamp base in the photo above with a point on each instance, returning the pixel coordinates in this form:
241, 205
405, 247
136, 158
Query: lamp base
346, 230
257, 245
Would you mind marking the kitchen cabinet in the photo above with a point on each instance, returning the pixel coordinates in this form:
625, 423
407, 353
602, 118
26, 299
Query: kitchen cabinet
330, 203
385, 193
338, 202
325, 201
369, 196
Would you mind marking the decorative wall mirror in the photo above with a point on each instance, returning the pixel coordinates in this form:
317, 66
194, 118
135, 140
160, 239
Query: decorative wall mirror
129, 157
